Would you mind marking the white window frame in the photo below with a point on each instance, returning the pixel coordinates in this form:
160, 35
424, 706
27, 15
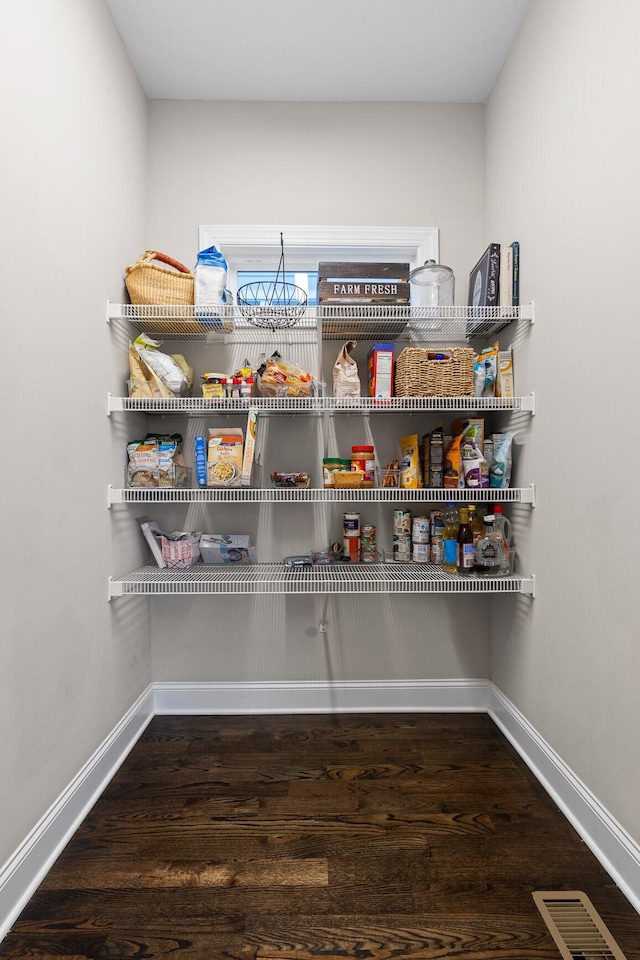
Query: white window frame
257, 246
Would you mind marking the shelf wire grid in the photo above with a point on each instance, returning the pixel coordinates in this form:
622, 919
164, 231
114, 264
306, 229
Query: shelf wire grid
273, 578
361, 322
318, 495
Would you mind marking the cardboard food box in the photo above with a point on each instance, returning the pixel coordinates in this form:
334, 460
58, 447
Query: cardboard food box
380, 371
224, 457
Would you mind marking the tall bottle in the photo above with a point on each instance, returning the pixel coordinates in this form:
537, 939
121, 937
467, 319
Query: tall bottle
476, 523
465, 555
502, 527
490, 555
450, 538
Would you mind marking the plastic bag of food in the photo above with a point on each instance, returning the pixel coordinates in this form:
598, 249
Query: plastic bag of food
453, 470
346, 382
474, 465
410, 473
500, 468
210, 278
142, 463
485, 372
168, 375
282, 378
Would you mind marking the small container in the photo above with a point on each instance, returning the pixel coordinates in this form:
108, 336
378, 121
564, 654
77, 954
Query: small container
363, 458
420, 530
329, 465
351, 525
421, 552
368, 553
402, 523
351, 546
402, 548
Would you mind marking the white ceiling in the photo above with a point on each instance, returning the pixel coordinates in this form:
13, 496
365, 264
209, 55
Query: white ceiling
332, 50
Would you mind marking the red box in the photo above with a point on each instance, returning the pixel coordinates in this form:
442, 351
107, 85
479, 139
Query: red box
380, 371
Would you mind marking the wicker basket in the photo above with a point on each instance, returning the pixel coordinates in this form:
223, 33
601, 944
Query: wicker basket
418, 376
149, 283
347, 478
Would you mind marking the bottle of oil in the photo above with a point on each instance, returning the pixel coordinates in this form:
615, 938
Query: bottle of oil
465, 554
491, 559
476, 523
450, 538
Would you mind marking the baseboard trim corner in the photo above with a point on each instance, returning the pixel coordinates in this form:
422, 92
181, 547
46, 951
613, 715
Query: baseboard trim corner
26, 868
618, 853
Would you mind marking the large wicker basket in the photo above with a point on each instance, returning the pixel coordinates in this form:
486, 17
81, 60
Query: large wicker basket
418, 376
149, 283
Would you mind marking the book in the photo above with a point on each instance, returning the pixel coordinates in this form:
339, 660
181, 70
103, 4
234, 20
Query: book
153, 535
506, 276
515, 289
484, 278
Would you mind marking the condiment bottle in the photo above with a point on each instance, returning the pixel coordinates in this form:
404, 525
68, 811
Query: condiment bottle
465, 555
450, 538
490, 556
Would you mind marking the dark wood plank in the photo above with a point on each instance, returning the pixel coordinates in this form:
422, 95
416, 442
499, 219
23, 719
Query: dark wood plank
381, 837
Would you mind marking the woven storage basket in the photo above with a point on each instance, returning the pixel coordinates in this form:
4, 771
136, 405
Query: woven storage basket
418, 376
148, 282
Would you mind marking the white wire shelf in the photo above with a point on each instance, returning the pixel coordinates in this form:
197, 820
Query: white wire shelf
335, 406
273, 578
360, 322
161, 495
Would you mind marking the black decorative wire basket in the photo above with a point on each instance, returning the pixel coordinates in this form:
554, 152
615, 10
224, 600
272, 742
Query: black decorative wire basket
272, 303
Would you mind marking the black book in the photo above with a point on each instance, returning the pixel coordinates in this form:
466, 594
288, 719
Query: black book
484, 279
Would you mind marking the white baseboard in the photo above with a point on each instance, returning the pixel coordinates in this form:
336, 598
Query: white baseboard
614, 848
321, 696
24, 871
618, 853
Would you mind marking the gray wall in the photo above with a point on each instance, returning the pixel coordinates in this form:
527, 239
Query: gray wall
290, 163
73, 196
563, 154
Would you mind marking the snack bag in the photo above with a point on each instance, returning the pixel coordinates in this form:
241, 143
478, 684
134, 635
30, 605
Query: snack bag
453, 471
346, 382
485, 372
210, 278
167, 374
410, 474
281, 378
500, 469
474, 465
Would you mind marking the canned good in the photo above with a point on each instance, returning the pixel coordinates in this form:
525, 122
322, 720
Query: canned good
351, 524
368, 543
402, 548
421, 552
351, 548
437, 530
401, 523
420, 529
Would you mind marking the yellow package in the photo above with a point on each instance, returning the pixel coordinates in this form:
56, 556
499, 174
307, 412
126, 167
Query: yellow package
410, 473
453, 472
224, 457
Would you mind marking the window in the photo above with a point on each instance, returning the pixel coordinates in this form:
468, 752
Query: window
256, 248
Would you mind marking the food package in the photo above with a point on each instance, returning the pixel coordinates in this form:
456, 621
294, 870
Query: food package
181, 549
210, 278
500, 467
485, 372
165, 376
410, 476
224, 457
142, 465
474, 466
172, 471
346, 382
281, 378
504, 383
453, 470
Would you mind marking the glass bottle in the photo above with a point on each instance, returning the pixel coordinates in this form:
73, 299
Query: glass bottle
465, 554
490, 554
476, 523
450, 538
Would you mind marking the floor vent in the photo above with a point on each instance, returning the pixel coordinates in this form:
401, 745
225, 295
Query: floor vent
576, 927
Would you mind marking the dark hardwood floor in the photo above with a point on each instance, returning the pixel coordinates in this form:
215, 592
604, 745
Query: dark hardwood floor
369, 836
